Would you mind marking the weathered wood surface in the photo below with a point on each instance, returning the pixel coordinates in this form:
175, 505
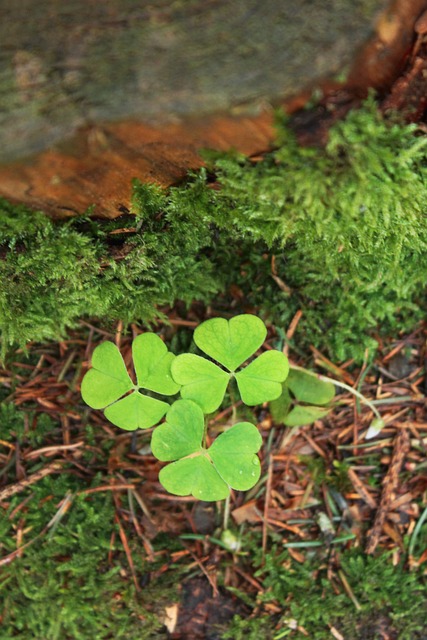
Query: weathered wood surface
97, 166
159, 68
70, 63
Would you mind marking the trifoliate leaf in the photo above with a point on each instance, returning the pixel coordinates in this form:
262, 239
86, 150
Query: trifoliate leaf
261, 380
231, 342
136, 411
206, 474
301, 415
108, 379
152, 362
202, 381
181, 434
306, 387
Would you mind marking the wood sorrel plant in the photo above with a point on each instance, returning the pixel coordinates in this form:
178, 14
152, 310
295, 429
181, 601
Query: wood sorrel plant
231, 462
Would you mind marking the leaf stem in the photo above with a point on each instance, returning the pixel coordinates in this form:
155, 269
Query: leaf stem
233, 400
226, 513
356, 393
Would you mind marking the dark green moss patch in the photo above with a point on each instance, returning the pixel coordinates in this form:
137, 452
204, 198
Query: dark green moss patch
390, 600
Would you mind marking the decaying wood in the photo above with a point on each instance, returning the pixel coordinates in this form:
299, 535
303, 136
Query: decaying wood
96, 166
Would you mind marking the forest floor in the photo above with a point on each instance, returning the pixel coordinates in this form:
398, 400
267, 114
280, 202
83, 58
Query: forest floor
330, 543
329, 507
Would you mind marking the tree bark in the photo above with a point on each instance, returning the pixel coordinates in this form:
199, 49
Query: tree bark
93, 93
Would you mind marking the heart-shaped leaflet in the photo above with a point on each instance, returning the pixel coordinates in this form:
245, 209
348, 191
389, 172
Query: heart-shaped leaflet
231, 342
261, 381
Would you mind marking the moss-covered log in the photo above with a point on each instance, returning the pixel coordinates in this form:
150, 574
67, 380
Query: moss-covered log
346, 225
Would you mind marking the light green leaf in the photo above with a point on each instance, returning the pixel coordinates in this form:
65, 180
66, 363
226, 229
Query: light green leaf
152, 362
181, 434
194, 476
301, 415
108, 379
231, 342
306, 387
202, 381
261, 380
234, 456
279, 408
136, 411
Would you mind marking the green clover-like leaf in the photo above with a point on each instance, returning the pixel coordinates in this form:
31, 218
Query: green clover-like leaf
106, 384
261, 381
307, 387
231, 461
194, 476
234, 456
201, 380
136, 411
280, 407
152, 362
301, 415
108, 379
231, 342
181, 434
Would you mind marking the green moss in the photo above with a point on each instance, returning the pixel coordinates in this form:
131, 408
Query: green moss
53, 274
73, 582
64, 587
388, 596
347, 225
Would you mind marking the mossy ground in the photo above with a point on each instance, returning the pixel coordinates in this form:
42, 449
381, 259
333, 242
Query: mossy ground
347, 227
389, 600
74, 581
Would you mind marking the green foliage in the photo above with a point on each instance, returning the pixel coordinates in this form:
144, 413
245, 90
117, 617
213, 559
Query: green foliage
207, 474
64, 587
104, 386
201, 380
53, 274
301, 396
347, 226
307, 387
308, 598
18, 223
231, 343
24, 426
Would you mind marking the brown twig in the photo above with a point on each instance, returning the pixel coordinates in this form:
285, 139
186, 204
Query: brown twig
13, 489
401, 447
